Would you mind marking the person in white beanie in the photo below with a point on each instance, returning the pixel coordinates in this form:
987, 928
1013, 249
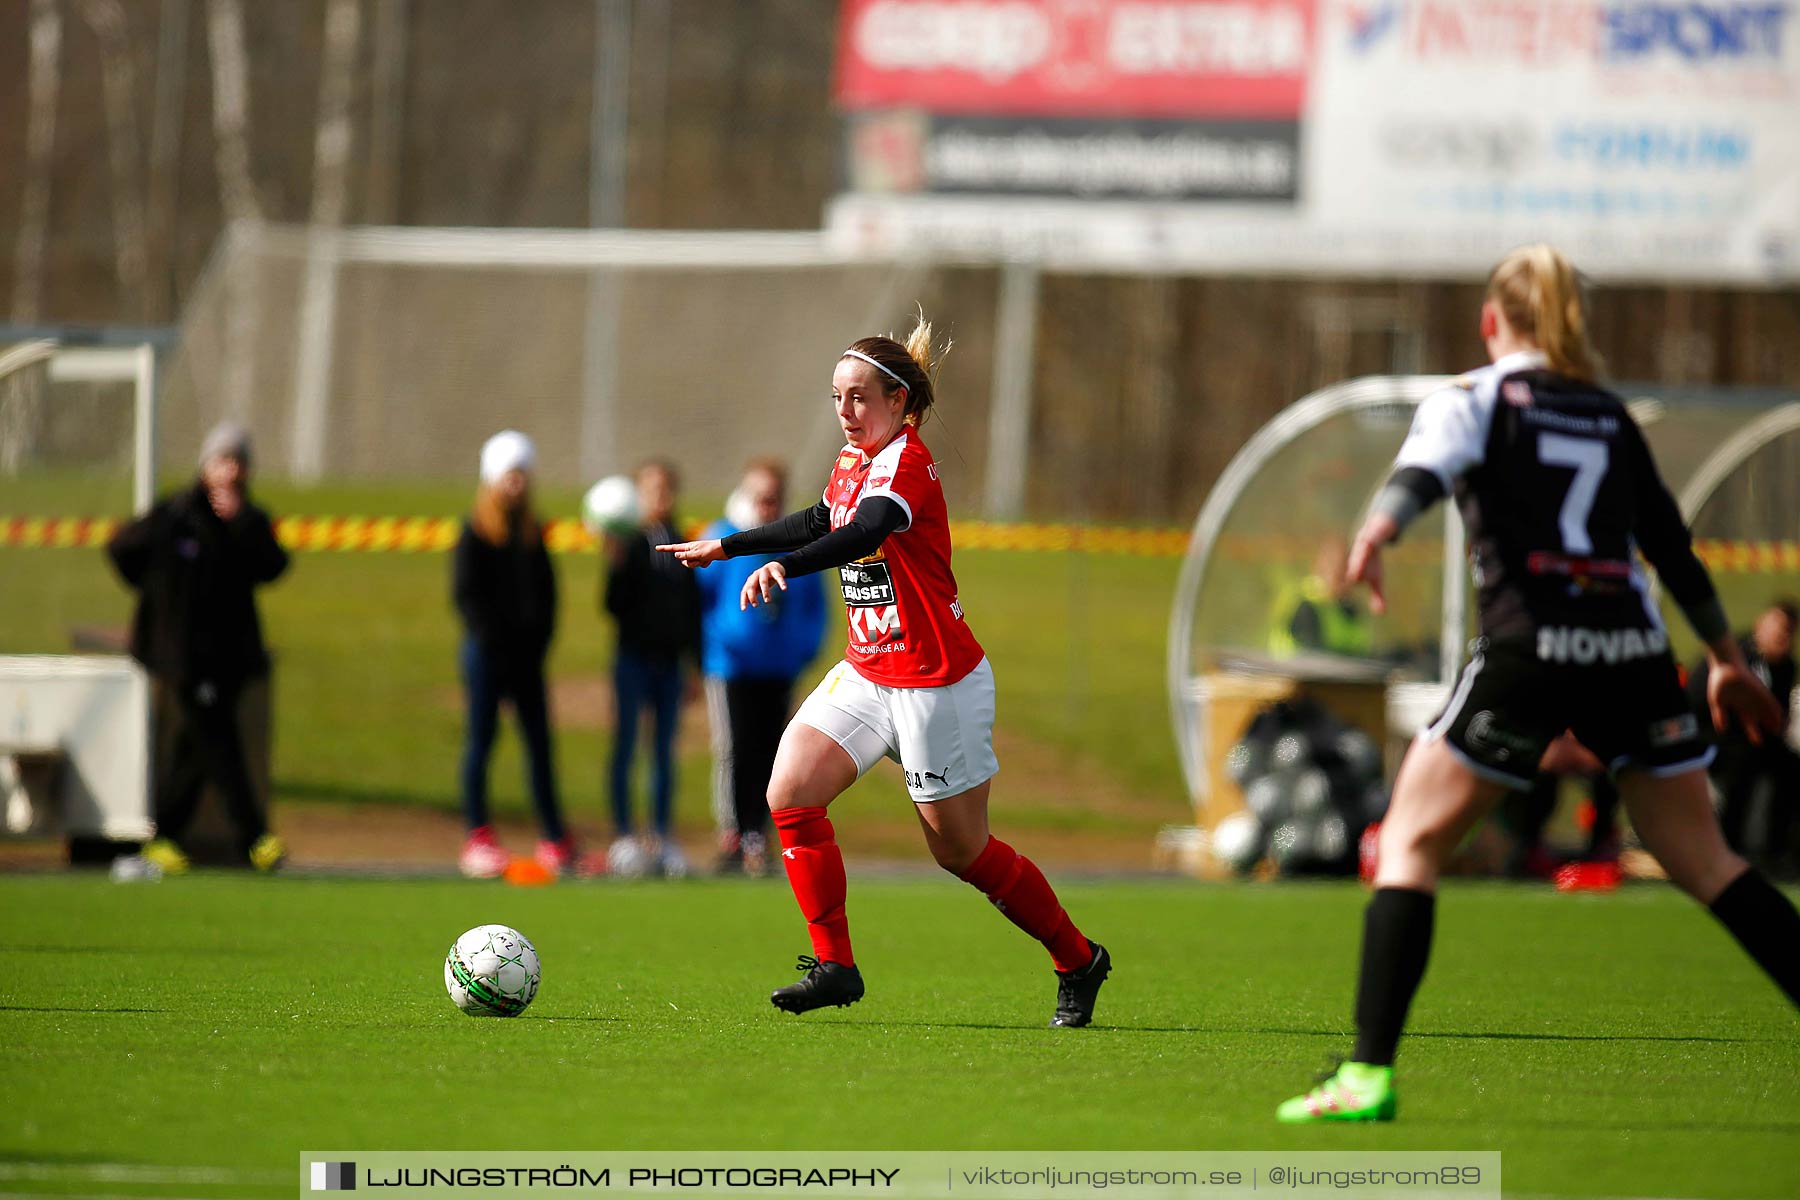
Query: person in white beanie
504, 588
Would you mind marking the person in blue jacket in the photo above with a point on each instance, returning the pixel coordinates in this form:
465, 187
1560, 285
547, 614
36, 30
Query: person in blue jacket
751, 659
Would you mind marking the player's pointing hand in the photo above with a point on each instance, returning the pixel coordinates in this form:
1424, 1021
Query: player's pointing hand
696, 554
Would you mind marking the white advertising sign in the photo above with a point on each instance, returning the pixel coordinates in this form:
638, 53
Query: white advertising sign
1651, 139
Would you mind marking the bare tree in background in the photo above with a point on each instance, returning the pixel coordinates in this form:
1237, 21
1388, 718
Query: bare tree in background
165, 159
22, 392
318, 298
237, 196
44, 84
118, 83
387, 109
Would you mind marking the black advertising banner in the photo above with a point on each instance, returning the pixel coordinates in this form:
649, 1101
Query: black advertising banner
1140, 159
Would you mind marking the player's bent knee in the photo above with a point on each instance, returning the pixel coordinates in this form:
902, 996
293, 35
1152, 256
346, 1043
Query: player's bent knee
1410, 855
955, 859
784, 794
1414, 838
790, 789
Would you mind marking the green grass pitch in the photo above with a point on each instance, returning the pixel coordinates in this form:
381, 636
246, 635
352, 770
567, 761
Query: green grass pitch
189, 1038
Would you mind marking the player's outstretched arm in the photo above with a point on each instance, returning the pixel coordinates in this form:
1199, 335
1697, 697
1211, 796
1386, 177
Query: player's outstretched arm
1365, 557
1448, 436
696, 554
876, 517
789, 533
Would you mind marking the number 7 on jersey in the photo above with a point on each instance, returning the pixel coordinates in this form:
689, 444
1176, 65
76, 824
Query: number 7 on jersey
1589, 458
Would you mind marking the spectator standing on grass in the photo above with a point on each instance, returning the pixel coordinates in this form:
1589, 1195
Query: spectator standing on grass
1759, 784
753, 656
195, 561
655, 604
504, 589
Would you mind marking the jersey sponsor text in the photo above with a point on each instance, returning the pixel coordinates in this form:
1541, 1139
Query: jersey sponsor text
905, 625
1562, 644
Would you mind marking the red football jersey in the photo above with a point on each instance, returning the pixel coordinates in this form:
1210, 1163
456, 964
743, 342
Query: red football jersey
906, 626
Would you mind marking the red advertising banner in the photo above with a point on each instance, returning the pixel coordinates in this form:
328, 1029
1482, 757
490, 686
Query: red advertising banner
1078, 58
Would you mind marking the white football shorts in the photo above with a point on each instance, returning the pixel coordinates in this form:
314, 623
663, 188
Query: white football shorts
942, 737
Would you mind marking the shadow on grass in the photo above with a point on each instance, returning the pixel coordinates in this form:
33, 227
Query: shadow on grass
1645, 1125
136, 950
1327, 1033
70, 1008
1590, 1037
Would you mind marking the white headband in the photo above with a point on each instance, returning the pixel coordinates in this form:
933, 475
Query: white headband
877, 366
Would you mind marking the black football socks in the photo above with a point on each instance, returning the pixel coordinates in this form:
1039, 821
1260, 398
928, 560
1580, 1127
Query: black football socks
1396, 944
1765, 924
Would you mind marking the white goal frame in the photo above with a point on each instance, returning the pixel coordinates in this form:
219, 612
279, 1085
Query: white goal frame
134, 364
93, 710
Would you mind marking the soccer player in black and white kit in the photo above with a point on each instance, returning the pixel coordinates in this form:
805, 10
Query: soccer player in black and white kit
1560, 496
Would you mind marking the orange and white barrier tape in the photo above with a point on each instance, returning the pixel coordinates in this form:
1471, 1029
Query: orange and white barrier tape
1759, 558
436, 534
56, 532
412, 535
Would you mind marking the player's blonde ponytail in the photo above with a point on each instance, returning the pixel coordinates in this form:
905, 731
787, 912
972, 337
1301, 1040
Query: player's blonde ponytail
1541, 296
911, 365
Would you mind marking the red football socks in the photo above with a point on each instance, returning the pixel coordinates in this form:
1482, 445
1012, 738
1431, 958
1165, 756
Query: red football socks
815, 870
1017, 888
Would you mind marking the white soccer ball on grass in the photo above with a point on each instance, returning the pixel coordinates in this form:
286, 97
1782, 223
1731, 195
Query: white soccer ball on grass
611, 506
492, 971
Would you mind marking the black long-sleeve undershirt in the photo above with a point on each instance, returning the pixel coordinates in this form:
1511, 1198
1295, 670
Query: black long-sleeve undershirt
815, 545
1662, 534
789, 533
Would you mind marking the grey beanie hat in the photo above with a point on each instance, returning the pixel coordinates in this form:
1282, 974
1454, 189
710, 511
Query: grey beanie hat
227, 439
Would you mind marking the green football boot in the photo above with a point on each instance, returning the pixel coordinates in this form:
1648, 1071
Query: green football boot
1354, 1092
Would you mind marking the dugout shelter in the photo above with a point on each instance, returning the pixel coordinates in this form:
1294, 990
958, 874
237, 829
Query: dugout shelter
1730, 456
77, 432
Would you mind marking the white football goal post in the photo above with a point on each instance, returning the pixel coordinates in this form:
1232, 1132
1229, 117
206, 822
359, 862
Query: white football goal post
77, 440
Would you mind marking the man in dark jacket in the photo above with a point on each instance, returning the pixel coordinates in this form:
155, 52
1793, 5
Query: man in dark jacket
195, 560
656, 604
1759, 784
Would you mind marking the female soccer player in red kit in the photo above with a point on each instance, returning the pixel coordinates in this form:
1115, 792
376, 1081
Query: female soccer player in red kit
914, 685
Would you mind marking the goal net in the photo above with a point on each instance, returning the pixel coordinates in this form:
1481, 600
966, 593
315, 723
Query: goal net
391, 354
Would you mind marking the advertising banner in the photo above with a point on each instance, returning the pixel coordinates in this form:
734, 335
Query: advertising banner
1150, 159
1077, 58
1650, 138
